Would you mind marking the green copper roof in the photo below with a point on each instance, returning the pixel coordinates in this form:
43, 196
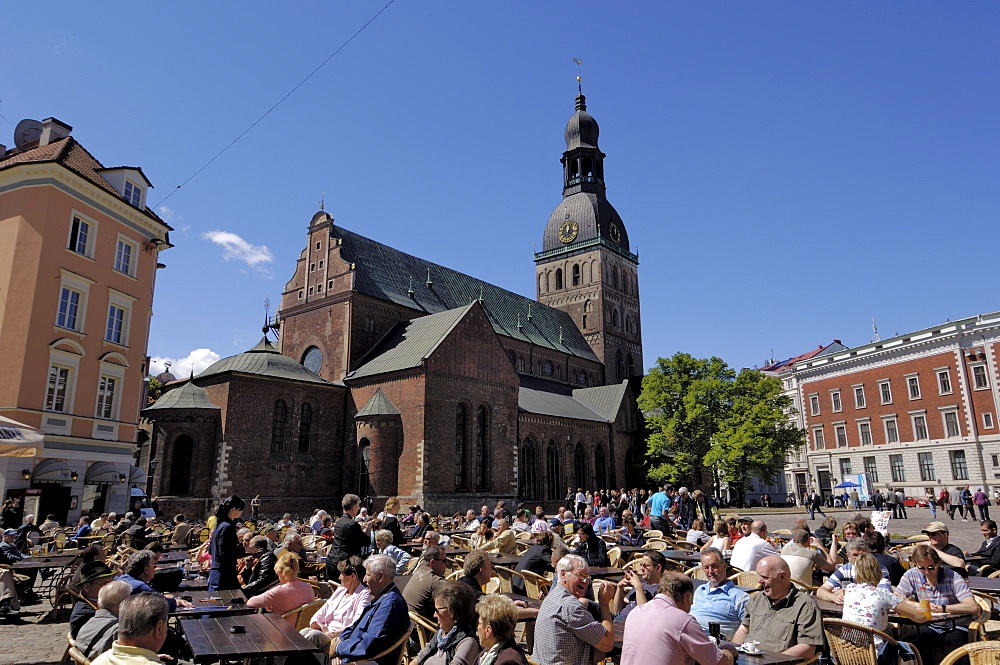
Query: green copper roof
606, 400
187, 396
378, 404
263, 360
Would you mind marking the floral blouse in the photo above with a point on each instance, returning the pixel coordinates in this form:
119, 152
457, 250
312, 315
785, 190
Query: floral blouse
870, 606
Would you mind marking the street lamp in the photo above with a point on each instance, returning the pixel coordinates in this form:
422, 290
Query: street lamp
26, 474
74, 476
149, 478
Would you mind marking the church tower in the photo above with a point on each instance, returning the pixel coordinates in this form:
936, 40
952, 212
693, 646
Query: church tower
586, 267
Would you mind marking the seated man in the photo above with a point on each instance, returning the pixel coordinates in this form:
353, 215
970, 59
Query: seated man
10, 603
142, 629
381, 624
990, 549
661, 632
948, 592
427, 577
182, 529
604, 523
651, 566
805, 554
96, 636
833, 589
477, 571
139, 569
752, 548
566, 632
781, 617
536, 559
262, 573
505, 542
49, 525
719, 600
876, 545
93, 576
951, 555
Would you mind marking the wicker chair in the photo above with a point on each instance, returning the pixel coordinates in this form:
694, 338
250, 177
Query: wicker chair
455, 574
424, 629
653, 533
746, 578
535, 584
979, 653
804, 586
994, 575
657, 544
854, 644
304, 614
506, 576
615, 556
980, 628
397, 646
782, 532
696, 573
685, 545
492, 586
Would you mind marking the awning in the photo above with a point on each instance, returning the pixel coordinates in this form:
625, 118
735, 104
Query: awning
102, 473
51, 471
136, 476
18, 439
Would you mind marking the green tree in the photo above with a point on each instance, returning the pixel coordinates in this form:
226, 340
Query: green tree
153, 390
683, 399
756, 435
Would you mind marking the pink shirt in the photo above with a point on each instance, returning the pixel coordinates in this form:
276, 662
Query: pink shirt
660, 633
284, 597
341, 610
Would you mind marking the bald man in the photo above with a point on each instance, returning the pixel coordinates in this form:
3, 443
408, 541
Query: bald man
781, 617
749, 549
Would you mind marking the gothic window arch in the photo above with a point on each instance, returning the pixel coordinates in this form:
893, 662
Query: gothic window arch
576, 274
520, 364
624, 282
306, 429
181, 454
553, 485
629, 366
461, 445
600, 469
364, 469
619, 365
588, 306
482, 447
278, 426
588, 272
529, 471
580, 466
614, 317
628, 323
541, 283
511, 357
559, 279
614, 277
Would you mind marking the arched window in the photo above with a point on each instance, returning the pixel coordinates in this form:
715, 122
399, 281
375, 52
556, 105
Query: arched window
629, 366
552, 482
541, 283
461, 441
558, 278
305, 427
614, 277
614, 317
588, 306
482, 448
181, 454
312, 359
624, 282
576, 274
520, 363
619, 365
364, 472
511, 357
529, 471
580, 466
278, 426
628, 323
600, 469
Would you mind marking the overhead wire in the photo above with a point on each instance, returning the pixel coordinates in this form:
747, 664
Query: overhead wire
277, 104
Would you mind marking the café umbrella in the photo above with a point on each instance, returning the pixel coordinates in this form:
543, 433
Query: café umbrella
846, 483
18, 439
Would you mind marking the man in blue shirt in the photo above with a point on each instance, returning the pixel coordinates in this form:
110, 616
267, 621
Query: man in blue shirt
139, 570
719, 600
605, 523
382, 623
659, 506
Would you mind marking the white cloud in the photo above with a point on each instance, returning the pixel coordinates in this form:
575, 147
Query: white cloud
64, 46
235, 247
199, 359
166, 213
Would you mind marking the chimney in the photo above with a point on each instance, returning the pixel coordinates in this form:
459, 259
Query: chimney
3, 150
53, 130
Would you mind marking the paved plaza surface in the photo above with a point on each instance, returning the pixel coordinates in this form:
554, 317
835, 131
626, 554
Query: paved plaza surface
38, 640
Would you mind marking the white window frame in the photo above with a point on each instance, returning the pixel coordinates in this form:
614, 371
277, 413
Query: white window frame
883, 387
945, 411
987, 421
138, 192
873, 469
73, 282
814, 408
124, 302
840, 427
70, 361
924, 477
133, 255
859, 391
117, 373
886, 419
845, 469
975, 378
836, 402
913, 380
863, 425
91, 235
945, 373
922, 415
952, 455
819, 438
901, 467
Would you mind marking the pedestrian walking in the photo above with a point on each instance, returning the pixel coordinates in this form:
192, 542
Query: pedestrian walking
900, 503
932, 503
890, 502
878, 500
944, 500
967, 502
982, 502
955, 503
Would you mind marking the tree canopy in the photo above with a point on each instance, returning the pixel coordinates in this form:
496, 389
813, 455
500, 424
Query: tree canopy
703, 416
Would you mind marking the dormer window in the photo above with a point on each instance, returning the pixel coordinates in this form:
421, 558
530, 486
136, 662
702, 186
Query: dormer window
133, 194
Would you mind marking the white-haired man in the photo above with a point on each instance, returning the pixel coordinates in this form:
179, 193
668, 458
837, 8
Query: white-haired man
96, 636
142, 629
382, 623
566, 633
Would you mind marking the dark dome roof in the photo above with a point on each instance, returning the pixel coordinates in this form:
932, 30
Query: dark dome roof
264, 360
590, 212
581, 130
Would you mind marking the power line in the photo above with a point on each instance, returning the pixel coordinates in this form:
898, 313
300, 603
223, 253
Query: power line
278, 103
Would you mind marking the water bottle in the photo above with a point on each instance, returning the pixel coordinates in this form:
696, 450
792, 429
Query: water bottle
925, 603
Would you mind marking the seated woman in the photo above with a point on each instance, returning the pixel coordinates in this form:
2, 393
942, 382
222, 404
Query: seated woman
342, 608
591, 547
720, 540
383, 545
630, 535
869, 605
291, 592
455, 641
495, 629
483, 535
696, 534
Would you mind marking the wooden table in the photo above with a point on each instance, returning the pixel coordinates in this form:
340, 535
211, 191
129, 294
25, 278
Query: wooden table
604, 572
628, 550
763, 658
836, 611
203, 605
504, 559
984, 584
168, 558
266, 635
194, 584
456, 532
45, 561
532, 603
682, 555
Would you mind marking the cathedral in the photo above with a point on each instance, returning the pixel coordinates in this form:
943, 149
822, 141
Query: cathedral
396, 376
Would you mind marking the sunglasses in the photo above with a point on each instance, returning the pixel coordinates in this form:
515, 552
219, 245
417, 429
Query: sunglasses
927, 567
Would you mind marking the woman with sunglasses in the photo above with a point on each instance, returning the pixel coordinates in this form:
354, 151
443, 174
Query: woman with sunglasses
455, 642
342, 608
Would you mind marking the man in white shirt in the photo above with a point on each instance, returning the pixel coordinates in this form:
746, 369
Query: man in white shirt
750, 549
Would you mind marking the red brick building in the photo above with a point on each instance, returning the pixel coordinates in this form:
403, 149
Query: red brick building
428, 383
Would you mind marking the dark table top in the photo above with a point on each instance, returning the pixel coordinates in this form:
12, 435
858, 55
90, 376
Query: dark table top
682, 555
599, 572
763, 658
195, 584
266, 635
456, 532
168, 558
835, 610
504, 559
905, 541
984, 584
631, 549
216, 602
45, 561
533, 603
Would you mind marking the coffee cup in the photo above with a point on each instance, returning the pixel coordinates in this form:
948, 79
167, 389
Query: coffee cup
751, 646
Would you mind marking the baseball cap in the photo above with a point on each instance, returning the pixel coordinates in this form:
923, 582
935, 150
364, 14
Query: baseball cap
935, 527
745, 519
10, 532
94, 570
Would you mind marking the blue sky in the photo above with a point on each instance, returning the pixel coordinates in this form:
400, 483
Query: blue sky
786, 170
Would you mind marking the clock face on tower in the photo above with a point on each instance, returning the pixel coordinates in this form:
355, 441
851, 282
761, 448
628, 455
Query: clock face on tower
568, 231
616, 235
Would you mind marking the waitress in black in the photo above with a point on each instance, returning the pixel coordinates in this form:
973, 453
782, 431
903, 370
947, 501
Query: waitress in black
224, 546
